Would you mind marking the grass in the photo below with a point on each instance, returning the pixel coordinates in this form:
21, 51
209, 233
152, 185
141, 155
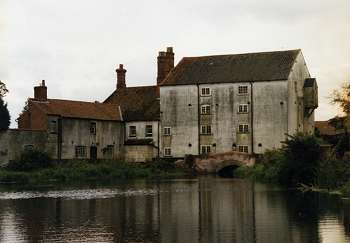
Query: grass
77, 171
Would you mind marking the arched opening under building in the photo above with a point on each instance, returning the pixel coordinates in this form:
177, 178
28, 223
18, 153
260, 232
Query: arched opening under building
227, 171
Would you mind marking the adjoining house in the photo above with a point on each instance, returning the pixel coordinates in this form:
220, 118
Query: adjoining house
245, 102
209, 104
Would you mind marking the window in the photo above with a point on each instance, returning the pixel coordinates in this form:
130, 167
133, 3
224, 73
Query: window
243, 148
205, 149
205, 91
205, 129
53, 127
167, 152
149, 132
108, 151
167, 131
93, 128
80, 151
205, 109
132, 131
243, 108
28, 147
243, 128
243, 89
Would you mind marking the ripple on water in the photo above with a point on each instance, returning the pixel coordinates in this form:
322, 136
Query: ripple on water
76, 194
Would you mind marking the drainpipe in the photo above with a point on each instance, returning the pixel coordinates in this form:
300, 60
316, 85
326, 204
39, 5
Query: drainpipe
252, 116
59, 139
158, 139
199, 121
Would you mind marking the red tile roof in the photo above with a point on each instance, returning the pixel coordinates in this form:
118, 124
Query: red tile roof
79, 109
326, 129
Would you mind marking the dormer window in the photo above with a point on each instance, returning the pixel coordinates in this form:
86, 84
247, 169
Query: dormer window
205, 91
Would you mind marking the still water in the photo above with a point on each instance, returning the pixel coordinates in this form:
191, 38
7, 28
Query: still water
206, 209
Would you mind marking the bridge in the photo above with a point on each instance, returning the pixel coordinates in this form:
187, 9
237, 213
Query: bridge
221, 163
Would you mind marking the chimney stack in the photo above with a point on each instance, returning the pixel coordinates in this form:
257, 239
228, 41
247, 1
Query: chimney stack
165, 63
121, 77
40, 92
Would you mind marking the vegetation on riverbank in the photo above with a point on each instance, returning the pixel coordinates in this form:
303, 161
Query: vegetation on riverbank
299, 163
45, 171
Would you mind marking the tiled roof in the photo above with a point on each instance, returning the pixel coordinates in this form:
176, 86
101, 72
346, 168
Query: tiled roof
326, 129
79, 109
137, 103
263, 66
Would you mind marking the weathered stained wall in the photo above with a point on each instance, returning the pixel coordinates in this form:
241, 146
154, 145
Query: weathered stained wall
140, 153
13, 142
76, 132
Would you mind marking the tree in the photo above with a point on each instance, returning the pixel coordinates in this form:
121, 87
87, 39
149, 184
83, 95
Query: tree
342, 97
4, 113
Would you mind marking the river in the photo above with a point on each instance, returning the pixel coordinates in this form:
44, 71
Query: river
205, 209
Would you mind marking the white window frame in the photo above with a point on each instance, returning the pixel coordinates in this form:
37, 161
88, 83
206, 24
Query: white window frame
148, 134
206, 148
53, 126
205, 109
205, 130
205, 91
167, 131
243, 89
243, 128
132, 135
242, 110
80, 151
167, 152
243, 148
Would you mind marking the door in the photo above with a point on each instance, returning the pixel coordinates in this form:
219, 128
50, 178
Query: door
93, 152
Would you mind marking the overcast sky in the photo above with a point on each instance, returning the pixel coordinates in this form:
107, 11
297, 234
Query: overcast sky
75, 45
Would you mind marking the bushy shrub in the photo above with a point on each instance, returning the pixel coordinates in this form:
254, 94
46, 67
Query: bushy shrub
333, 174
31, 160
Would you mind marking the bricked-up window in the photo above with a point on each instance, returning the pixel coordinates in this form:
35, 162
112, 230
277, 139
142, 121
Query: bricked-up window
149, 131
243, 148
243, 89
205, 109
243, 128
167, 131
205, 129
53, 127
205, 149
132, 131
205, 91
167, 152
93, 128
80, 152
243, 108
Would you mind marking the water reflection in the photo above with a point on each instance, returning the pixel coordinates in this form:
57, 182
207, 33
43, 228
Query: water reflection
207, 209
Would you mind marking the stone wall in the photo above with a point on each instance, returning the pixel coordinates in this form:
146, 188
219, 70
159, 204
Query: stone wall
140, 153
13, 142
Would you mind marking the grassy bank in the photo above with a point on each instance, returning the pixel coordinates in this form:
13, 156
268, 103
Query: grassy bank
299, 165
77, 171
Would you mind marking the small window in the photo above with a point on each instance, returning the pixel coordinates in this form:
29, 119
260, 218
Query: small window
80, 151
243, 148
149, 132
243, 108
205, 129
243, 128
53, 127
205, 149
28, 147
205, 91
167, 131
167, 152
243, 89
205, 109
93, 128
108, 151
132, 131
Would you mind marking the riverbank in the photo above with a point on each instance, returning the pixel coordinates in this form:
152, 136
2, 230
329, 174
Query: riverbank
78, 171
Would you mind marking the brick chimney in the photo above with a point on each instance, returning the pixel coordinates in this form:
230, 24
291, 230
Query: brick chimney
121, 77
165, 63
40, 92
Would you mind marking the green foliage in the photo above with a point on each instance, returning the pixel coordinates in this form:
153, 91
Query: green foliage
3, 89
4, 115
342, 97
30, 160
333, 174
